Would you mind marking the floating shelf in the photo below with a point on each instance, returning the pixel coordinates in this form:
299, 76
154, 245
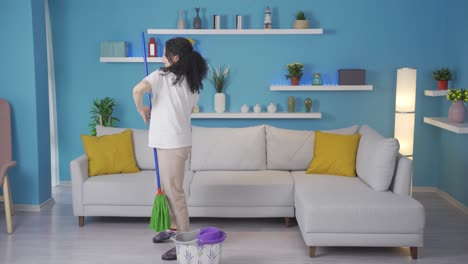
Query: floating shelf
130, 59
435, 92
321, 88
236, 31
443, 122
251, 115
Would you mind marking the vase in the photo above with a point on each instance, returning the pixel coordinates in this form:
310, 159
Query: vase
257, 108
295, 81
442, 85
271, 108
308, 104
245, 108
181, 22
220, 102
291, 104
457, 112
197, 19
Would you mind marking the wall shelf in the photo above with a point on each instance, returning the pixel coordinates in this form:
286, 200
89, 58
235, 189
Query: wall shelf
443, 122
130, 59
312, 31
321, 88
252, 115
435, 92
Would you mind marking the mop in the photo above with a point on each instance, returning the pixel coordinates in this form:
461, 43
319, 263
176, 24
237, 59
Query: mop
160, 218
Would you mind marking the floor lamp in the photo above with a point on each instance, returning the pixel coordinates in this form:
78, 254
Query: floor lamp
404, 109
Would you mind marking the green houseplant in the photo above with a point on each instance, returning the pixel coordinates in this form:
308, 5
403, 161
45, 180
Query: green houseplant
219, 77
101, 114
294, 72
442, 76
301, 21
457, 112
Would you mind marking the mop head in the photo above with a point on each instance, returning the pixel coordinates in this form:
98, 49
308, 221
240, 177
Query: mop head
160, 218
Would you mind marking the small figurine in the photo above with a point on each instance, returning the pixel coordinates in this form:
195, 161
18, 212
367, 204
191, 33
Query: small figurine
257, 108
271, 108
196, 109
267, 22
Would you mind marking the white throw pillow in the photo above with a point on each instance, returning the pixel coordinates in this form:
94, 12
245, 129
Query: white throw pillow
228, 148
289, 149
376, 158
143, 153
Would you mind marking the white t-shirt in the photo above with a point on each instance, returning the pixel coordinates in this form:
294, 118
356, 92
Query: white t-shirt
170, 124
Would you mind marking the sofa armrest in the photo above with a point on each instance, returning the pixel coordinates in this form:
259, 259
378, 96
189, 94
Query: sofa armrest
79, 174
403, 176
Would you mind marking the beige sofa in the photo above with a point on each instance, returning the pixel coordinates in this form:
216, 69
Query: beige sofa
260, 172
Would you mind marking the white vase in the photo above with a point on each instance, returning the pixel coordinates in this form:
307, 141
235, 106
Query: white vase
220, 103
271, 108
257, 108
181, 22
245, 108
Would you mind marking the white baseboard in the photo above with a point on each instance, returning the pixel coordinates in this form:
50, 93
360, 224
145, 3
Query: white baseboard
444, 195
64, 183
32, 208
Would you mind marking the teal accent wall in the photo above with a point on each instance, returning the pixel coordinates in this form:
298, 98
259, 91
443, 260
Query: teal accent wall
453, 155
379, 36
24, 85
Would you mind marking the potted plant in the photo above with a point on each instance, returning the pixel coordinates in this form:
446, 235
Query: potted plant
295, 72
219, 78
442, 76
101, 114
301, 22
457, 111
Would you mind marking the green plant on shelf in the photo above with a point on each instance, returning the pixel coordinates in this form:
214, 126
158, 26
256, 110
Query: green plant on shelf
300, 16
443, 74
457, 94
295, 70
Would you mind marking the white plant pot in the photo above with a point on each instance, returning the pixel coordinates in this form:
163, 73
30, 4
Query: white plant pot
220, 103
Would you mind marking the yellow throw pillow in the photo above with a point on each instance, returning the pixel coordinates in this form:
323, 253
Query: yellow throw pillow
334, 154
110, 154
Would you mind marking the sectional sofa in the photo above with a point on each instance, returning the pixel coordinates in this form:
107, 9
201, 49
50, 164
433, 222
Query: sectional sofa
260, 172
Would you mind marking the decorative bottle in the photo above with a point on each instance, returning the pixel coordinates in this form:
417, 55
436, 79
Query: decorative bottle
152, 48
197, 19
291, 104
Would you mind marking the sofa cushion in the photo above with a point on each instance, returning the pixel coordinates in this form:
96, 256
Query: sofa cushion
289, 149
328, 204
136, 189
334, 154
242, 188
228, 148
143, 153
110, 154
376, 158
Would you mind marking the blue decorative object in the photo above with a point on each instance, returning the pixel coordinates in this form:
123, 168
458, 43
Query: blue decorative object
317, 79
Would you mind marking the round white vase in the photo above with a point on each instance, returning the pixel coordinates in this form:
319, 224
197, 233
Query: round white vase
220, 103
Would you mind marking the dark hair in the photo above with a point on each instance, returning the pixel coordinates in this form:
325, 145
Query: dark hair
190, 65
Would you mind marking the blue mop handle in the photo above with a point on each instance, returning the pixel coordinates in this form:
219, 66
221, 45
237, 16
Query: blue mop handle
156, 164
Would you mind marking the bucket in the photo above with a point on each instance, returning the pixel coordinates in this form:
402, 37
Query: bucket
190, 250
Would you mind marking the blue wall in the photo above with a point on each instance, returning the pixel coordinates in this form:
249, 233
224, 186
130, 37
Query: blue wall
379, 36
369, 37
24, 85
454, 147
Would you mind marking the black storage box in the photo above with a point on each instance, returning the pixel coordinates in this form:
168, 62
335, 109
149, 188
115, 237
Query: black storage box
351, 77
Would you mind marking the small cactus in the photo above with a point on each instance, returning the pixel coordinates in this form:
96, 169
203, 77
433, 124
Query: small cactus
300, 16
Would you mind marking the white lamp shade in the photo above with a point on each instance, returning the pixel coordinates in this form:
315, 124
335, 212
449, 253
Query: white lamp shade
404, 132
406, 90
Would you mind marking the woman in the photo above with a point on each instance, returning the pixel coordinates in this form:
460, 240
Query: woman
175, 88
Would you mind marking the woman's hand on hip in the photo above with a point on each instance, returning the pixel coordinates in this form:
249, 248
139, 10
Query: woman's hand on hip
145, 113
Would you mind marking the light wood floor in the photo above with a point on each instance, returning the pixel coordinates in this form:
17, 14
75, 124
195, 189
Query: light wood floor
53, 236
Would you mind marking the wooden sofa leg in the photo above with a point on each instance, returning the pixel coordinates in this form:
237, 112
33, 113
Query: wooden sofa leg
312, 252
81, 220
414, 252
288, 221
